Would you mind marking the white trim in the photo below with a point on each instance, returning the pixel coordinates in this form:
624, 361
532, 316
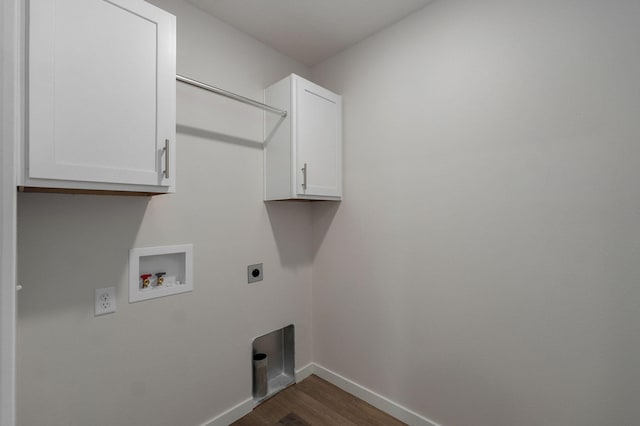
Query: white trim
10, 123
232, 414
246, 406
305, 372
380, 402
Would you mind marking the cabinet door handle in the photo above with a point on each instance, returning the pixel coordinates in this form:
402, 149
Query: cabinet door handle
166, 158
304, 177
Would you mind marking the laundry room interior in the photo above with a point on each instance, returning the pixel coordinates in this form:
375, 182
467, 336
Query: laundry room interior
431, 205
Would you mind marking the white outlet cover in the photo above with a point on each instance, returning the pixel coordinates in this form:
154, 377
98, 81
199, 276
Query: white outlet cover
105, 300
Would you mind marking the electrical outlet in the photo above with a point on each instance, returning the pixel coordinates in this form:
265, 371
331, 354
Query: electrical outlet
105, 300
254, 273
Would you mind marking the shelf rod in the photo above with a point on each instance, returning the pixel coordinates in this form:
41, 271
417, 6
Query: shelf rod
230, 95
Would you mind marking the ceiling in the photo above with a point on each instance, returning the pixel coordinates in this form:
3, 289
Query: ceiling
310, 30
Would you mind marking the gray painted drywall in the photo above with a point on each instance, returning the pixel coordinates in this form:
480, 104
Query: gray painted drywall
483, 266
481, 270
179, 360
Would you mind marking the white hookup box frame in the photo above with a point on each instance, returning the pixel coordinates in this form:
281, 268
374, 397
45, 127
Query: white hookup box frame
175, 261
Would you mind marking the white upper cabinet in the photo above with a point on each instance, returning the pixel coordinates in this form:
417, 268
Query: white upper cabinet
303, 151
101, 96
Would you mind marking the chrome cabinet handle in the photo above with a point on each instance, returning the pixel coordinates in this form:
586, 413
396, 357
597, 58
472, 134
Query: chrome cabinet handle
304, 177
166, 158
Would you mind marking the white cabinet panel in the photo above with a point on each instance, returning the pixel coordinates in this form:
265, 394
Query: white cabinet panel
318, 147
101, 94
303, 152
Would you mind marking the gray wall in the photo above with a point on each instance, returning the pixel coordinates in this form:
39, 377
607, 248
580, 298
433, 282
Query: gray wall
483, 266
179, 360
482, 269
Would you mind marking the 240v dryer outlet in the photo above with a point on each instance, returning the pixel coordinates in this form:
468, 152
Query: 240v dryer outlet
254, 273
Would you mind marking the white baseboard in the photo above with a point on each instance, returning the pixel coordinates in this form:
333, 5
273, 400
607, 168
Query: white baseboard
246, 406
305, 372
380, 402
232, 414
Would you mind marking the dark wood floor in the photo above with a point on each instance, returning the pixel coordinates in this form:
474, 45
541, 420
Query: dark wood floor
316, 402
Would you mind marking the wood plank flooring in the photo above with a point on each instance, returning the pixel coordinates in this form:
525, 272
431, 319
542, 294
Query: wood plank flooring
316, 402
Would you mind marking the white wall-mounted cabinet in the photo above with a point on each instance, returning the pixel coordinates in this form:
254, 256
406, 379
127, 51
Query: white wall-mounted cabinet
101, 96
303, 151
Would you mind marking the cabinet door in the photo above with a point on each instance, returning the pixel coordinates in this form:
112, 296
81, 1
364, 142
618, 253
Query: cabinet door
318, 140
101, 92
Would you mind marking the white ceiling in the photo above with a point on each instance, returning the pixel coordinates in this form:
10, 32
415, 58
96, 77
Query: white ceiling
310, 30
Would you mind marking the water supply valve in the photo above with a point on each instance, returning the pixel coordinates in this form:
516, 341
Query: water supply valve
160, 278
145, 280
